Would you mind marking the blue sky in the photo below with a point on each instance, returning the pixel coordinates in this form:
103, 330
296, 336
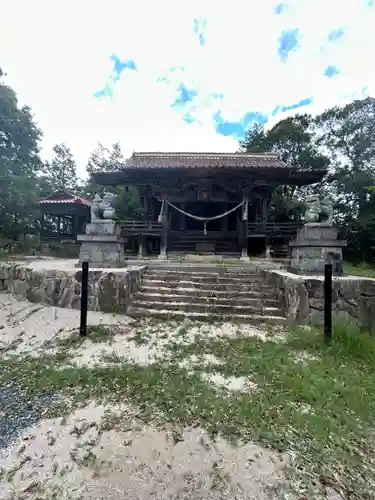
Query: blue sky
172, 76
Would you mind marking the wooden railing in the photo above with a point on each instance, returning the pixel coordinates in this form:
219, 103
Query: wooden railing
55, 235
282, 229
275, 228
137, 227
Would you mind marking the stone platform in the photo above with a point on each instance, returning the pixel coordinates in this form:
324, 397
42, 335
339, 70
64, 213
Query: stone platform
57, 282
243, 293
302, 297
192, 291
315, 246
102, 245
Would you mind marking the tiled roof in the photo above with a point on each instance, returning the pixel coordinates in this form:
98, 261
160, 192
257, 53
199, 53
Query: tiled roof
204, 160
66, 197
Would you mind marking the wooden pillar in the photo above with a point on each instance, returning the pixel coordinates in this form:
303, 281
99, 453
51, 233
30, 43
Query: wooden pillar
126, 199
153, 217
164, 234
267, 243
182, 218
264, 212
142, 239
141, 246
145, 208
268, 248
75, 226
225, 219
245, 228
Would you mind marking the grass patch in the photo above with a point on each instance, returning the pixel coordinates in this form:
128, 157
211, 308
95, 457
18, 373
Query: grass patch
363, 269
141, 337
101, 333
349, 342
333, 441
95, 334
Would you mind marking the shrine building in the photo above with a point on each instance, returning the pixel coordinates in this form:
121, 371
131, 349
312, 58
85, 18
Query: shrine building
63, 216
215, 203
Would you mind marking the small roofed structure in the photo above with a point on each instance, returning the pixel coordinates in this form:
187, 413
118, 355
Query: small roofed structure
64, 215
207, 202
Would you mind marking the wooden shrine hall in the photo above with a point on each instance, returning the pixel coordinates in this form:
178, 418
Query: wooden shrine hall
64, 215
206, 202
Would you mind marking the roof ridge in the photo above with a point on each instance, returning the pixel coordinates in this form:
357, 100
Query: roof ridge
236, 153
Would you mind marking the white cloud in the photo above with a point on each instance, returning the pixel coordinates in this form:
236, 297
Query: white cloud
57, 55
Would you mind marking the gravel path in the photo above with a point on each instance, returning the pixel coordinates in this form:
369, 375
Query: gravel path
18, 412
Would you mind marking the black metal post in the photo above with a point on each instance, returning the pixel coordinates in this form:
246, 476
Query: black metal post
328, 302
84, 297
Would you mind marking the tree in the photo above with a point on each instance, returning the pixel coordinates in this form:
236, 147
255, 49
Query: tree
19, 165
105, 160
294, 140
61, 173
348, 135
256, 140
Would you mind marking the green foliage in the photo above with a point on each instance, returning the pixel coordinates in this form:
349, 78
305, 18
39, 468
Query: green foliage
19, 166
293, 140
61, 173
348, 134
105, 160
360, 269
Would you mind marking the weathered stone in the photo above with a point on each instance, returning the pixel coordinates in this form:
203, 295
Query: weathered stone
315, 246
102, 245
302, 298
108, 254
108, 227
108, 291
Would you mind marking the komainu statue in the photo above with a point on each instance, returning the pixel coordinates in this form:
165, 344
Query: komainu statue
318, 211
102, 208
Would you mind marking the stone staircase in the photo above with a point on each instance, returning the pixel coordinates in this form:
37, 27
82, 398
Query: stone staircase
213, 293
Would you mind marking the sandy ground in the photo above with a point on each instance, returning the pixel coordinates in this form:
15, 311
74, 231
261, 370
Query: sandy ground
25, 327
82, 458
77, 458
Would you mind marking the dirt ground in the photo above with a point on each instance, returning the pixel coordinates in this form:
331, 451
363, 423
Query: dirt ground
104, 450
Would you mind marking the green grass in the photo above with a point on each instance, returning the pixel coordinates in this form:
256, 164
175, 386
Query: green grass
333, 441
95, 334
141, 336
362, 269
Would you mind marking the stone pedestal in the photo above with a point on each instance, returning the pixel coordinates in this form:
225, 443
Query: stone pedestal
315, 246
102, 245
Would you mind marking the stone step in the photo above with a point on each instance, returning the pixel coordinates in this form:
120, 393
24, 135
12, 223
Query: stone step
216, 285
222, 293
180, 274
208, 267
208, 316
226, 309
255, 301
202, 279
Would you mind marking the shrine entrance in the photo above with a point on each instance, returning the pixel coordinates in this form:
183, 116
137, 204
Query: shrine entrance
217, 202
204, 209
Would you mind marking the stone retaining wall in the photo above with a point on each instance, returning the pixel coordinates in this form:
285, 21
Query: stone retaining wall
109, 290
302, 297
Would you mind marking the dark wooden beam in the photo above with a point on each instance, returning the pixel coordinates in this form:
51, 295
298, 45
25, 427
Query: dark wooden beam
164, 235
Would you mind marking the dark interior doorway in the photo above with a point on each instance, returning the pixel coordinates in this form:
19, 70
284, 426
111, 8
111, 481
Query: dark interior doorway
204, 209
256, 246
